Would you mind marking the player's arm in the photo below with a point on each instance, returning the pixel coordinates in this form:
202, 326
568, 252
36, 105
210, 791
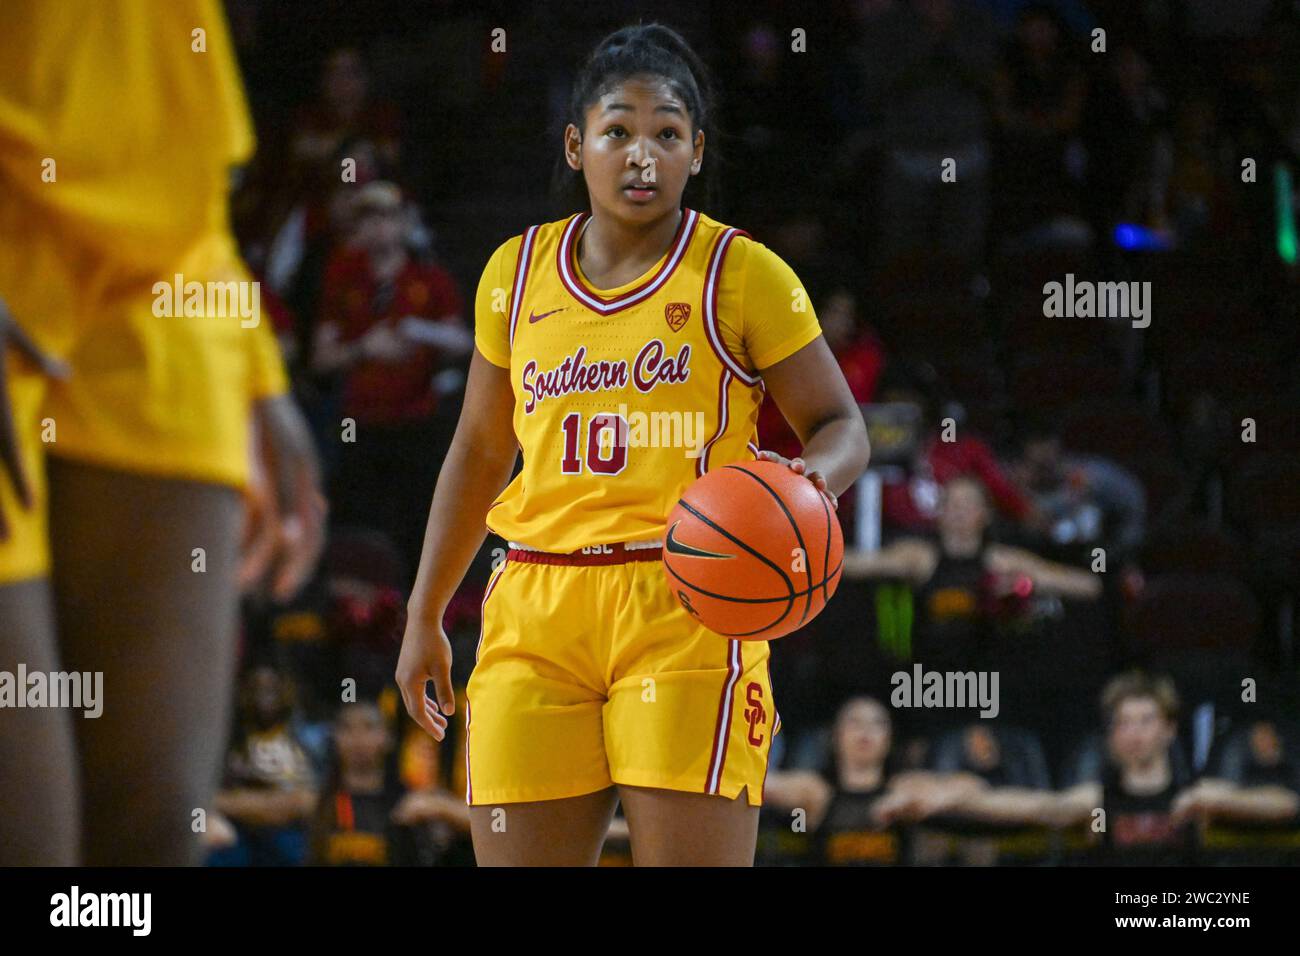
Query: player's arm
1224, 800
811, 393
1046, 575
478, 465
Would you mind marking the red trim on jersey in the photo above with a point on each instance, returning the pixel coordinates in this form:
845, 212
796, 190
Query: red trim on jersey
776, 722
469, 785
712, 282
608, 305
702, 463
721, 732
522, 264
776, 725
616, 555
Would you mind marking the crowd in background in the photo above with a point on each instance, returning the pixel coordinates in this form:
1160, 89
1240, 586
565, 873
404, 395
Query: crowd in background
1104, 514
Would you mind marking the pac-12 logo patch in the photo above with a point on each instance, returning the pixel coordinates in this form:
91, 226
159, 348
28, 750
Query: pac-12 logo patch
754, 713
677, 313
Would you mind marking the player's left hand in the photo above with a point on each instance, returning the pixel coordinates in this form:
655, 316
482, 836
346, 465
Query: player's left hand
285, 526
800, 467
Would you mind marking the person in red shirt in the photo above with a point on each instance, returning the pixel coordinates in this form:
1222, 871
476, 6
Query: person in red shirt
390, 329
910, 502
861, 358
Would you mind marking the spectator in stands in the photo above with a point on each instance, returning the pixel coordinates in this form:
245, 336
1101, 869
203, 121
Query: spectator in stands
1038, 99
389, 326
860, 355
913, 97
1130, 150
1138, 811
964, 582
910, 501
344, 109
837, 808
1080, 500
270, 789
365, 817
1263, 788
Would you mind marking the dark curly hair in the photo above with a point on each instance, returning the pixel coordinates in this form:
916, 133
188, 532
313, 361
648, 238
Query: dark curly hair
645, 49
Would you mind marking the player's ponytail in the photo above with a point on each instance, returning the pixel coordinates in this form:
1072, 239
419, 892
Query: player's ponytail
657, 50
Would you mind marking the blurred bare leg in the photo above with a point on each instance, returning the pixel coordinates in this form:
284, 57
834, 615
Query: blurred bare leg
130, 604
38, 760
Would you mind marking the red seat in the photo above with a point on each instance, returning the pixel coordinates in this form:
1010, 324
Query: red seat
1116, 428
1193, 547
1200, 612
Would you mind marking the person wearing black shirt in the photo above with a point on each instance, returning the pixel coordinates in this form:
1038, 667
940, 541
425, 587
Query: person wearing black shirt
362, 818
837, 826
1136, 812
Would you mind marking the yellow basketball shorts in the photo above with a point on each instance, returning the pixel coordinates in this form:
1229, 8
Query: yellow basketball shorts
164, 395
590, 674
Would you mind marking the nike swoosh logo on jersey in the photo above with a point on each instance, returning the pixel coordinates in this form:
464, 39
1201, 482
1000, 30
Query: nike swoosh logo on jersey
676, 547
534, 317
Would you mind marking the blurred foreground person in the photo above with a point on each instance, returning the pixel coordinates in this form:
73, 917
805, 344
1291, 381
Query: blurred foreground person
135, 378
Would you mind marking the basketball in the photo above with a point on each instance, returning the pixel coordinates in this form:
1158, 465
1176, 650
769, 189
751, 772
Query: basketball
753, 551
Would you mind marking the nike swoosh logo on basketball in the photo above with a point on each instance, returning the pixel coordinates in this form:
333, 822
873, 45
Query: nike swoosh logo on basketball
676, 547
534, 317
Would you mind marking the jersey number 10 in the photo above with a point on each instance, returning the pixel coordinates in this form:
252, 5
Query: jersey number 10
609, 460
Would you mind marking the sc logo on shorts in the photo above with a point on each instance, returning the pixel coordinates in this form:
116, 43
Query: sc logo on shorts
754, 713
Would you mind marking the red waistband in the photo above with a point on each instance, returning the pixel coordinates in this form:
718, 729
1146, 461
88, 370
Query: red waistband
595, 555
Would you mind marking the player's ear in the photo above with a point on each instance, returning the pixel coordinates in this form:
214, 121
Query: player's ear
698, 161
573, 146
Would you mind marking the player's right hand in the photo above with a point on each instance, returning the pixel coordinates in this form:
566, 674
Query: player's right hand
11, 461
426, 656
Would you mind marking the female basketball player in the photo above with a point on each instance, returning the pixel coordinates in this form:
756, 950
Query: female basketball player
125, 436
591, 684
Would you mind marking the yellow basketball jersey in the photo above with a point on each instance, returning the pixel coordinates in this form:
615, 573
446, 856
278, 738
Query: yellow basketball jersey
625, 396
122, 119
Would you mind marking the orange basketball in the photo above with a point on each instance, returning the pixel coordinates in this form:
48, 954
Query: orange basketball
753, 550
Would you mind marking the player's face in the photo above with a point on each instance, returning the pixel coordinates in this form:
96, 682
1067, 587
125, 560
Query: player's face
1140, 732
636, 152
864, 734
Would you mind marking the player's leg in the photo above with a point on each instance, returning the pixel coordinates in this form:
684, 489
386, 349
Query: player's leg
688, 727
39, 800
133, 603
38, 785
674, 828
567, 832
536, 776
